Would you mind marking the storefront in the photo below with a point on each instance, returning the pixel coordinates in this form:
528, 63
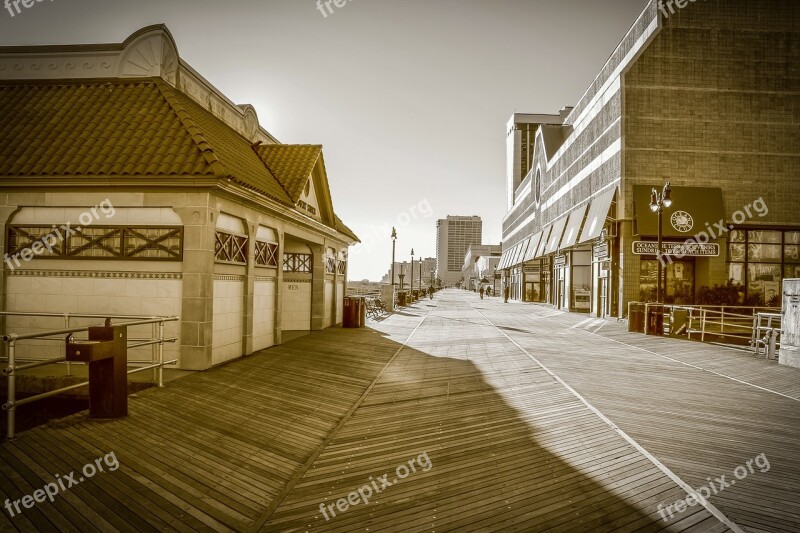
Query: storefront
691, 248
555, 266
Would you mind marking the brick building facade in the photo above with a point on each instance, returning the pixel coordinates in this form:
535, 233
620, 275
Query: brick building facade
708, 98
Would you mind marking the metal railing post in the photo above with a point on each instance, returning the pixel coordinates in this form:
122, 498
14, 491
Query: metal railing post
161, 354
66, 326
11, 408
754, 335
154, 352
704, 315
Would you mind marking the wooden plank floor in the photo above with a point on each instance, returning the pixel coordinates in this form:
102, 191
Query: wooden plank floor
509, 448
702, 420
208, 452
497, 442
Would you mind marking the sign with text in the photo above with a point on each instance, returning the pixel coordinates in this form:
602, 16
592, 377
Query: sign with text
676, 248
601, 252
535, 269
560, 261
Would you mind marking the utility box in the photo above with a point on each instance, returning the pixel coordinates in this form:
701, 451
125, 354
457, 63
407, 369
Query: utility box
789, 354
387, 297
106, 353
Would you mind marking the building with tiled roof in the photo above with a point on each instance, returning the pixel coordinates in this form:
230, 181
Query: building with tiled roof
171, 200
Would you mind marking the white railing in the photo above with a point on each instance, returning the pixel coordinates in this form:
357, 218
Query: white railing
768, 324
12, 368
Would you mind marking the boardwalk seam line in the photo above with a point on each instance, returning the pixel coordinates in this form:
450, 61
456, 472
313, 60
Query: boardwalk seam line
711, 508
743, 382
318, 451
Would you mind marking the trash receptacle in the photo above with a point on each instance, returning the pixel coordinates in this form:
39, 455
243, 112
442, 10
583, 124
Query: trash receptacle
354, 312
402, 299
636, 318
655, 320
679, 322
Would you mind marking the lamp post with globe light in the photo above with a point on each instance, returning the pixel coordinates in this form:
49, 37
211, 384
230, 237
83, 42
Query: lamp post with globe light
657, 204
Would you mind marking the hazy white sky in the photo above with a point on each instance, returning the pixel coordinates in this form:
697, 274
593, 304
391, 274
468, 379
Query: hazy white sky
410, 98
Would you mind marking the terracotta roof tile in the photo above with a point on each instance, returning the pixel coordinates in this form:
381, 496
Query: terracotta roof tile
141, 127
93, 128
291, 164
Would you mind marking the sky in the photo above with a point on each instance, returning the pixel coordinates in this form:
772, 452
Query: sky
410, 99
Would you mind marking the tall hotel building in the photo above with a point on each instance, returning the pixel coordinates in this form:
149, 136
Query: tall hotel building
454, 236
706, 97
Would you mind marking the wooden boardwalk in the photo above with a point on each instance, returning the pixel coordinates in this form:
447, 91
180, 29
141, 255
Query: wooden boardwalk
498, 443
703, 410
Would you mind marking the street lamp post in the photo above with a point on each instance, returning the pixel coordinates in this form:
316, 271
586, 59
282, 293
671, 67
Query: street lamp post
657, 204
412, 271
394, 241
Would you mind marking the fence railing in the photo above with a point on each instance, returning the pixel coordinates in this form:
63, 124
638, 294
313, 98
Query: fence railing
12, 368
757, 327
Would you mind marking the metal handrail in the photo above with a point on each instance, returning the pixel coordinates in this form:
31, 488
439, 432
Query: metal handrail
11, 370
772, 333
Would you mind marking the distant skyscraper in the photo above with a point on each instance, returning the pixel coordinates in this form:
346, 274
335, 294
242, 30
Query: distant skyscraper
454, 236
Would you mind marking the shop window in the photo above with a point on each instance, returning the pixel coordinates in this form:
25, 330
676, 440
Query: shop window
677, 281
759, 259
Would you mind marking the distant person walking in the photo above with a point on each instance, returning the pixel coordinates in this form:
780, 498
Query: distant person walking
430, 292
506, 293
481, 291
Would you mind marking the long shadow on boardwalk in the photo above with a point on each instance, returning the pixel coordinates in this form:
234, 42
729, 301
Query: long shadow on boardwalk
212, 451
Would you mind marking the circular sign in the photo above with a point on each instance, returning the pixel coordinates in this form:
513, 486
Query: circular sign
682, 221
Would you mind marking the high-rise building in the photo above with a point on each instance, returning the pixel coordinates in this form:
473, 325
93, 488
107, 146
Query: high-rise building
454, 236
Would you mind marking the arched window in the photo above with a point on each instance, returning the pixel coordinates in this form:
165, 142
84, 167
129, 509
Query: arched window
537, 186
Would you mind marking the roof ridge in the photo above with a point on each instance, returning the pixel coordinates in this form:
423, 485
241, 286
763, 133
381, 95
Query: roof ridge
194, 131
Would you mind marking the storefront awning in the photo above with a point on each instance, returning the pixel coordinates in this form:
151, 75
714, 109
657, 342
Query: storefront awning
555, 235
532, 247
520, 252
503, 259
596, 219
691, 209
543, 243
573, 227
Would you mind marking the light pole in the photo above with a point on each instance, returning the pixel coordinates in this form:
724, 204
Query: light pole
657, 204
394, 241
412, 271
